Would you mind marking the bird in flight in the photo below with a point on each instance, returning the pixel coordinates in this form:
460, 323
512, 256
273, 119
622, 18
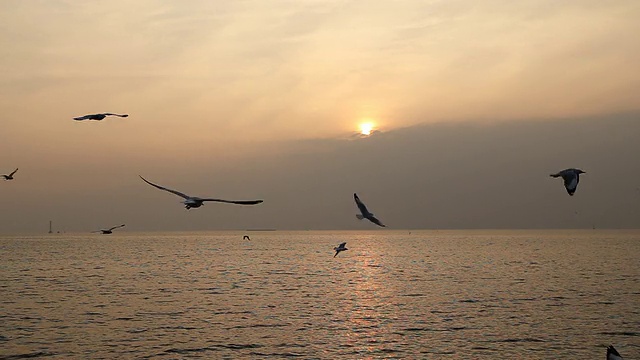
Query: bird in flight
108, 231
364, 213
612, 353
571, 179
97, 117
246, 237
10, 176
341, 247
196, 202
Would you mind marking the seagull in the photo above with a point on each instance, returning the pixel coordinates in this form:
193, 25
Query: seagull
10, 176
339, 248
612, 354
97, 117
571, 179
246, 237
365, 214
196, 202
108, 231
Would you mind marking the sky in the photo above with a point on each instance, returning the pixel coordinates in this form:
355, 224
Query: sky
246, 99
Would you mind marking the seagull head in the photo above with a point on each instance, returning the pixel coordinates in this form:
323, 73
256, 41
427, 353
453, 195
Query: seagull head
580, 171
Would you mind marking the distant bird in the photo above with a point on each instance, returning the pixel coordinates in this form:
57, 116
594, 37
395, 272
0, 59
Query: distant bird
612, 354
10, 176
364, 213
571, 179
108, 231
341, 247
97, 117
196, 202
246, 237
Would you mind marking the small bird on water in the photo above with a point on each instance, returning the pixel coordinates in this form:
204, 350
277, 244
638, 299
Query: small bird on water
339, 248
612, 353
98, 117
108, 231
571, 179
10, 176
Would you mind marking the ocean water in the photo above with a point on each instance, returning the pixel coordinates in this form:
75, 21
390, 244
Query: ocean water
393, 294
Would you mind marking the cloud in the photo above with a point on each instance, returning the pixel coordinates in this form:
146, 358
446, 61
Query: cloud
447, 175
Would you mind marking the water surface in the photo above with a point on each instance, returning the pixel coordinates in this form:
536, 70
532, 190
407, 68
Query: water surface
393, 294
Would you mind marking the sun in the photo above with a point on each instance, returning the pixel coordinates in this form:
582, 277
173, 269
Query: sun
365, 128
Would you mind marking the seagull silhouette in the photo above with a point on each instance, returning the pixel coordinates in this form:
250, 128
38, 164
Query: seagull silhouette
108, 231
364, 213
612, 354
196, 202
97, 117
341, 247
246, 237
10, 176
571, 179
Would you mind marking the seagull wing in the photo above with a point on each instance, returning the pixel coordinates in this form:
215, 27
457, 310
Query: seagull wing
363, 209
115, 227
85, 117
612, 353
14, 171
111, 114
376, 221
239, 202
342, 245
185, 196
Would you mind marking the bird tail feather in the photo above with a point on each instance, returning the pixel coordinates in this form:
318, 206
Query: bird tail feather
359, 216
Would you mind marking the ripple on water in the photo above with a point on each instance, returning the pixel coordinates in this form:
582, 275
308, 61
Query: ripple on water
521, 294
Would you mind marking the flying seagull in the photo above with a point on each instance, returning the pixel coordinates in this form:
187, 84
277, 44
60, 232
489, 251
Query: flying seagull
97, 117
108, 231
612, 354
196, 202
571, 179
10, 176
341, 247
246, 237
365, 214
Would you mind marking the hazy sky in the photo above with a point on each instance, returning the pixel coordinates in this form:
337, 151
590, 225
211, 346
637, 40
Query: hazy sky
257, 98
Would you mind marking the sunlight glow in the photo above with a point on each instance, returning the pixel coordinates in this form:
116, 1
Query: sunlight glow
365, 128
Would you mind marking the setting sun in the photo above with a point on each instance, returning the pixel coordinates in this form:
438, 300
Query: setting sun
365, 128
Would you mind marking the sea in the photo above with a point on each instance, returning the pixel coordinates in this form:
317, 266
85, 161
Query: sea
395, 294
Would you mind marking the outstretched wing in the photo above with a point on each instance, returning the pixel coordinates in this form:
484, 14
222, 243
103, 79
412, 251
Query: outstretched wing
374, 220
85, 117
612, 353
115, 227
342, 245
239, 202
363, 209
14, 171
185, 196
111, 114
